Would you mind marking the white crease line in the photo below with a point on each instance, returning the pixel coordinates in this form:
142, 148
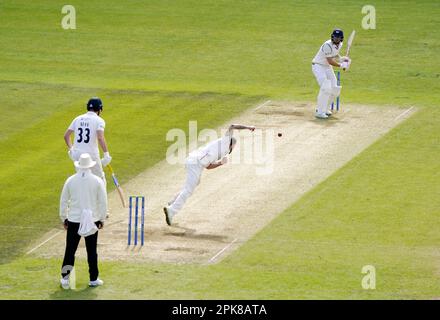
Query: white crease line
32, 250
403, 113
262, 105
222, 250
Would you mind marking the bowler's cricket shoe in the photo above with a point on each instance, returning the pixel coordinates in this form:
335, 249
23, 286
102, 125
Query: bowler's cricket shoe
168, 215
96, 283
328, 113
65, 284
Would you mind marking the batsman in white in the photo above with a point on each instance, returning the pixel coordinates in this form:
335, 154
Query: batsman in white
88, 131
210, 156
322, 67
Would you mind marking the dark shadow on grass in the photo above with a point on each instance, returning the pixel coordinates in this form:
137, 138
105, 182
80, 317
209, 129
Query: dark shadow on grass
108, 91
77, 294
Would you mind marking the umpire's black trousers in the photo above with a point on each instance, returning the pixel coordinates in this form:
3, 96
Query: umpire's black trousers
72, 241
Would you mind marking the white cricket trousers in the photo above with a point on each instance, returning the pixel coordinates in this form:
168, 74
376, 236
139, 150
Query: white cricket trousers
324, 72
328, 89
193, 174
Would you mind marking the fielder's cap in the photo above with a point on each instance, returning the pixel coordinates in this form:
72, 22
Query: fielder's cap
84, 162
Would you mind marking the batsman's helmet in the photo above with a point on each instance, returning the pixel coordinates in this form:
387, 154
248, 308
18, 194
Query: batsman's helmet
338, 33
94, 104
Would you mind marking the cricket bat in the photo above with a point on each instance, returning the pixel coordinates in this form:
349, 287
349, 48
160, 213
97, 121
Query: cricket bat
349, 42
118, 187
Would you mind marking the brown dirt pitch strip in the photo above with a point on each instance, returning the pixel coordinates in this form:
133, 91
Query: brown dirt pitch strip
235, 201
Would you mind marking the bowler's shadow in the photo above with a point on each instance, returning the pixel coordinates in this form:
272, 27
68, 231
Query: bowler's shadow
191, 234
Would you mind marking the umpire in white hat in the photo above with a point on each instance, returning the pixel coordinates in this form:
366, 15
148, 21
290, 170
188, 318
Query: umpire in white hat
83, 209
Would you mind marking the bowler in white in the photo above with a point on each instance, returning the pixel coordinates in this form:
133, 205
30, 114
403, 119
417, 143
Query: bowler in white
210, 156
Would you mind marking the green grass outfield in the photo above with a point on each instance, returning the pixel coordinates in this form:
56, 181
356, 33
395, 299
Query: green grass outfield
158, 64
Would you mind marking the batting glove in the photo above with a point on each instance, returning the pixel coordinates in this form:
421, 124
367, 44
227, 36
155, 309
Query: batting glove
106, 160
70, 153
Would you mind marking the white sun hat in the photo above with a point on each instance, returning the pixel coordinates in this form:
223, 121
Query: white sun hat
85, 162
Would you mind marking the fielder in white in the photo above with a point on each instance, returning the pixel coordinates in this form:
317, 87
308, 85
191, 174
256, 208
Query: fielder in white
211, 156
322, 67
88, 131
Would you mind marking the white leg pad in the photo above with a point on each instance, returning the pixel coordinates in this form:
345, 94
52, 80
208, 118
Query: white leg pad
324, 96
336, 91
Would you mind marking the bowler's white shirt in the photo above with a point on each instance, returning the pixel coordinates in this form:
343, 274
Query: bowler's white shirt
327, 50
213, 151
81, 191
85, 127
